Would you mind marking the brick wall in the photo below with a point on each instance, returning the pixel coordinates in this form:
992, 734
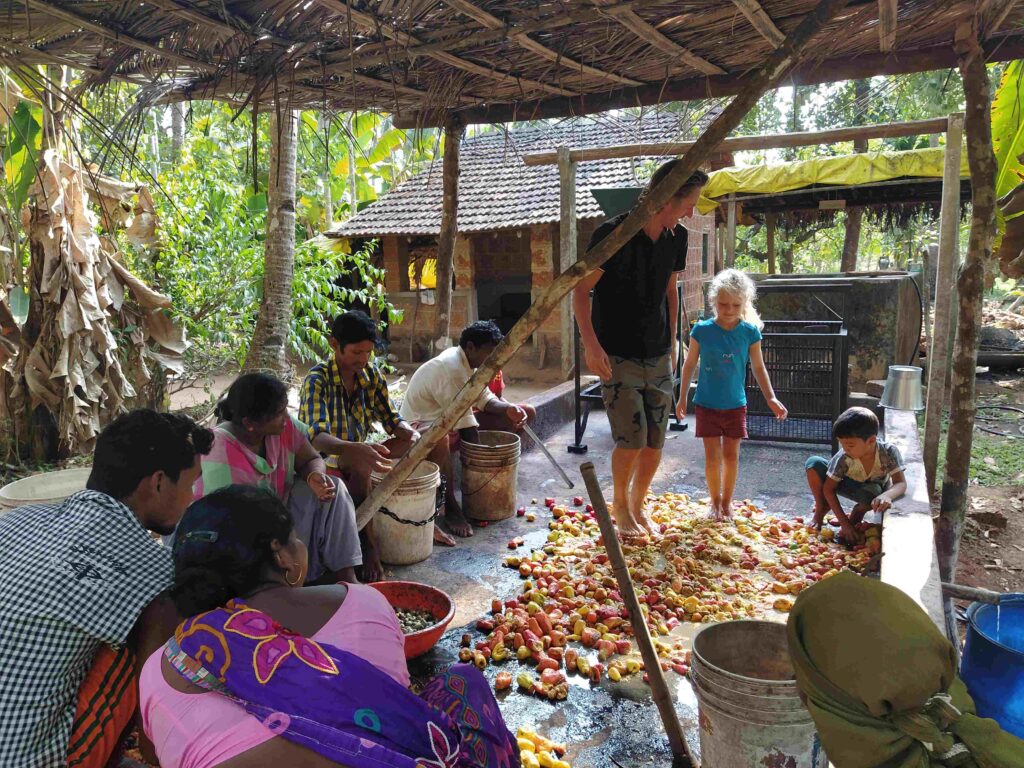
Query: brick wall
694, 276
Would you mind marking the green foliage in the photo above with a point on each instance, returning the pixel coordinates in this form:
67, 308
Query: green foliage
322, 268
21, 152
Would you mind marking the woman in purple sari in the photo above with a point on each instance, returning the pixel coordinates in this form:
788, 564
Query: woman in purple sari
267, 671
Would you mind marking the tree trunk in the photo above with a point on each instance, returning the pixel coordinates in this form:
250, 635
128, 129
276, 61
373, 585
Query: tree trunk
324, 125
177, 130
767, 76
269, 348
770, 245
970, 284
855, 216
353, 191
453, 131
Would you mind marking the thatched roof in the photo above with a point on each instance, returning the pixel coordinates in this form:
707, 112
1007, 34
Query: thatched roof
495, 61
496, 191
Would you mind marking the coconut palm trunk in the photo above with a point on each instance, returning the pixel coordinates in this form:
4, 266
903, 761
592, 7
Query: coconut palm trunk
269, 348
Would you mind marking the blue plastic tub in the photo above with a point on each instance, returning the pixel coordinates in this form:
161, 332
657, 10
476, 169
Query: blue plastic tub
992, 666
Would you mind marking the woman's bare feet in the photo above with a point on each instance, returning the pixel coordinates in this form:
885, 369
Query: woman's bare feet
725, 510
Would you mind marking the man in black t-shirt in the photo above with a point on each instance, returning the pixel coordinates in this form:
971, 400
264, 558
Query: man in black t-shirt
627, 339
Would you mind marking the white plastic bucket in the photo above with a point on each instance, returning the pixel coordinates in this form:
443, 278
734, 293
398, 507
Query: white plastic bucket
45, 488
404, 543
751, 714
490, 475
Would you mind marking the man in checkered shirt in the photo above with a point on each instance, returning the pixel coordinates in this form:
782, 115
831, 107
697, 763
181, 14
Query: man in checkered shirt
78, 581
340, 401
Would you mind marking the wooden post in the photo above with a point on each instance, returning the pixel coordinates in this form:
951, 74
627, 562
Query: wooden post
778, 63
642, 633
453, 130
566, 246
769, 220
938, 346
719, 250
730, 234
970, 287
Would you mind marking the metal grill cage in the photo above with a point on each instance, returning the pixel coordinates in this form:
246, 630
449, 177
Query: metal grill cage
807, 364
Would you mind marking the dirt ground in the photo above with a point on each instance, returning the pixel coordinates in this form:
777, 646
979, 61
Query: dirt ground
992, 549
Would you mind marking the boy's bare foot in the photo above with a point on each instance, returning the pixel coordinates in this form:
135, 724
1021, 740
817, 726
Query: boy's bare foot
440, 537
456, 522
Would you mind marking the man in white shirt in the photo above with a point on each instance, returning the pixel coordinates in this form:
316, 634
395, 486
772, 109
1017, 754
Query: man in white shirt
436, 383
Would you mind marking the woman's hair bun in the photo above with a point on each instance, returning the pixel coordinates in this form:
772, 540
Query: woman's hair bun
199, 588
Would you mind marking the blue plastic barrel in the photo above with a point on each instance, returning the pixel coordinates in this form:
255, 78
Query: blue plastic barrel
992, 666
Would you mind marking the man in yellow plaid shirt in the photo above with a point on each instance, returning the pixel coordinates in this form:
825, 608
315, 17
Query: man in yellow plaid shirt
340, 402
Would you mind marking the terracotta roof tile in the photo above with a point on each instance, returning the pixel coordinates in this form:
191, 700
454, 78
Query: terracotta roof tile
497, 191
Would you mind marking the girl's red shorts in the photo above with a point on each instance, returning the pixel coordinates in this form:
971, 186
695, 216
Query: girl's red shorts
712, 422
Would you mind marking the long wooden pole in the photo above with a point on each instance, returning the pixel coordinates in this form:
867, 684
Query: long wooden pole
769, 221
767, 76
566, 246
730, 232
641, 632
970, 288
938, 345
763, 141
453, 131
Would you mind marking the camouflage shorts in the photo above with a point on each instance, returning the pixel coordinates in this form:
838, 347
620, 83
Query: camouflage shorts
639, 400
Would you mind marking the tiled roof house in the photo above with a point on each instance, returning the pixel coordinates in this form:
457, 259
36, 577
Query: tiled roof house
507, 244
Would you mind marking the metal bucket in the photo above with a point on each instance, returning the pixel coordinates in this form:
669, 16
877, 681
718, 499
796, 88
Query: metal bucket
750, 710
992, 666
406, 535
490, 475
45, 488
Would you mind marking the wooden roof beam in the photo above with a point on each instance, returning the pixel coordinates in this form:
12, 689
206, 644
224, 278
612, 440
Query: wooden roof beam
761, 21
1005, 48
994, 13
742, 143
887, 10
454, 44
629, 19
525, 41
373, 23
118, 37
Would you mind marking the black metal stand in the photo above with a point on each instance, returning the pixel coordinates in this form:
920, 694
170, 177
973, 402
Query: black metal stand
581, 418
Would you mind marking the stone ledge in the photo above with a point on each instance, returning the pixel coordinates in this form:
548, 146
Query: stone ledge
908, 536
555, 407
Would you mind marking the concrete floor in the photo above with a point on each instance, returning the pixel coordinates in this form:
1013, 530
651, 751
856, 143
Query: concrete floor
613, 724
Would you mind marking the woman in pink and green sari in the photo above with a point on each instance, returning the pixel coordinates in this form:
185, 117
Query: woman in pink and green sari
268, 672
259, 443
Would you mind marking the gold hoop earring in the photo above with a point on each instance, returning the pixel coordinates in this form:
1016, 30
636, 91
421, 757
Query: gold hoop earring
297, 578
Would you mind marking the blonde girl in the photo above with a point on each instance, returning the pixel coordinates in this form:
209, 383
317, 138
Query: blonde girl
723, 346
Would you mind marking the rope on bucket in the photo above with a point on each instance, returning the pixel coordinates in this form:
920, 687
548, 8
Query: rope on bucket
438, 505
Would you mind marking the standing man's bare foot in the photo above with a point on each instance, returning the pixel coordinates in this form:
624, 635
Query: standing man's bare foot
624, 521
456, 522
643, 521
440, 537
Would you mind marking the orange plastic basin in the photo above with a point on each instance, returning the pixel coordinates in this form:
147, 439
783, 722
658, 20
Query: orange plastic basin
420, 597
